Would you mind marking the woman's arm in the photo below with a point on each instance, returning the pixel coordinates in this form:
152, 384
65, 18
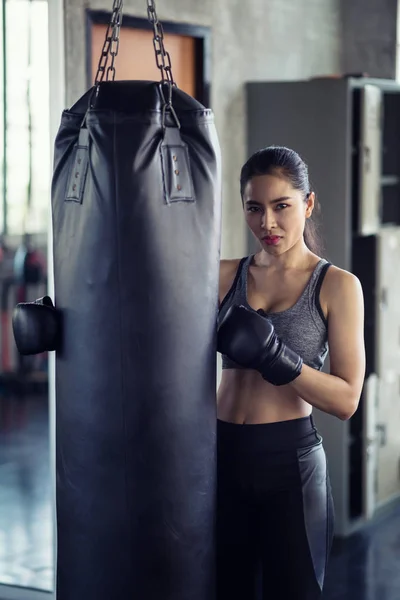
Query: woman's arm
339, 392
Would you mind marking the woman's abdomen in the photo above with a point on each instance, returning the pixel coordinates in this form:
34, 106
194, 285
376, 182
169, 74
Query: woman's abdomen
245, 397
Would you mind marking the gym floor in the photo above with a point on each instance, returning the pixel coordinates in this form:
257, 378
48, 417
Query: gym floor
25, 494
364, 567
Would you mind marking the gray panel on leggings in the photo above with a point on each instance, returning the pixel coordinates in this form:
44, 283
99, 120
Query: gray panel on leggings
317, 506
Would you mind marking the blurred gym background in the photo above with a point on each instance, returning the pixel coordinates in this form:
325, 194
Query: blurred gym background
321, 76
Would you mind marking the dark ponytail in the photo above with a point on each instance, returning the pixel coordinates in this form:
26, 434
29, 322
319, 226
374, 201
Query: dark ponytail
291, 166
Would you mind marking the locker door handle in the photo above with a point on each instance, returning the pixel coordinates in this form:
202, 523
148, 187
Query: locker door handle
367, 159
382, 437
384, 297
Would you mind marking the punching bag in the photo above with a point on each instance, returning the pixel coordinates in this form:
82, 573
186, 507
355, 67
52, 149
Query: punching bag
136, 238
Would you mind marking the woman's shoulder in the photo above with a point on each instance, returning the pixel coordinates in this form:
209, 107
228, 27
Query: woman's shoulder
229, 265
336, 276
227, 273
339, 285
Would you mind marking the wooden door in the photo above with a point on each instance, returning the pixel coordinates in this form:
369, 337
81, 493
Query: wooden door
136, 56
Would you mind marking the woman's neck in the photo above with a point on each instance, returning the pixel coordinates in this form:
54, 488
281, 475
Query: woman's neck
297, 257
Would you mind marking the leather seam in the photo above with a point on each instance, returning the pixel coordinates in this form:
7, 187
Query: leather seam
121, 329
163, 175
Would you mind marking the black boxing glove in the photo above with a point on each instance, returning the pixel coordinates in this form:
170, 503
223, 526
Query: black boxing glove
36, 326
249, 339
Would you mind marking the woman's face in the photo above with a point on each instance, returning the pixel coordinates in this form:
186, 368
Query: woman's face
276, 212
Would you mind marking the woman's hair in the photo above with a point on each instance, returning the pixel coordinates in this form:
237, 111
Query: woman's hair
281, 161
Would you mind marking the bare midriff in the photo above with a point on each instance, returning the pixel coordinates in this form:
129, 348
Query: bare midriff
244, 397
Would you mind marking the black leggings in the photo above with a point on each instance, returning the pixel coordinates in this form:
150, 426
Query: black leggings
275, 511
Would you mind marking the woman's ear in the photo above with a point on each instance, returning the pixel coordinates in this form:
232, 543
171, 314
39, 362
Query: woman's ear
310, 203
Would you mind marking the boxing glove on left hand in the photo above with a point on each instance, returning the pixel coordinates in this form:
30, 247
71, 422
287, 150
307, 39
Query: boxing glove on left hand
249, 339
36, 326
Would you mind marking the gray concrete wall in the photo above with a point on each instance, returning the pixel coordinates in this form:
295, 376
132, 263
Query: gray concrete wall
252, 40
369, 37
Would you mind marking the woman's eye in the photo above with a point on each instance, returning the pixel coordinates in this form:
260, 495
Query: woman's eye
252, 209
281, 206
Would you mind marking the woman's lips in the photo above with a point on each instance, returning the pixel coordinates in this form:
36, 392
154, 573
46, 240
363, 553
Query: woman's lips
272, 240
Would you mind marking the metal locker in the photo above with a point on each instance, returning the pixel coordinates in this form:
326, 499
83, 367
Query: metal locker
388, 362
370, 153
370, 446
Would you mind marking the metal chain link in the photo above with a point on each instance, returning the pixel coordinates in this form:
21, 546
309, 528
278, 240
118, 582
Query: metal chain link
111, 45
163, 61
163, 58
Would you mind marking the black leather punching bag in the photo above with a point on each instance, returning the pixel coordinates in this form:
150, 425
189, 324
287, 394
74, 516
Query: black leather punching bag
136, 226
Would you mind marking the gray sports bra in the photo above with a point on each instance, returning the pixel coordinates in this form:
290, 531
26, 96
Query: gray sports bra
302, 327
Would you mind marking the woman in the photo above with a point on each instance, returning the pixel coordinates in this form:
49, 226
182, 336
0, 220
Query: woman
280, 310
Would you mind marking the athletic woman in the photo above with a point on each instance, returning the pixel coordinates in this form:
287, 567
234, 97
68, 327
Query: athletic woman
281, 309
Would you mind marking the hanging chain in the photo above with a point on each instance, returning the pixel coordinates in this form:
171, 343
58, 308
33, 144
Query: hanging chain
111, 45
163, 58
163, 61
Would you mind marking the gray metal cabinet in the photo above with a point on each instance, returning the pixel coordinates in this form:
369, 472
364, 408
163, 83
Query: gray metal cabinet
388, 364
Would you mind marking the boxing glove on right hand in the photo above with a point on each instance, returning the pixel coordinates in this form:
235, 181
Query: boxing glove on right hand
250, 340
36, 326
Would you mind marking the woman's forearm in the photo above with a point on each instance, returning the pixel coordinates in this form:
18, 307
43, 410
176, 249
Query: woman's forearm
326, 392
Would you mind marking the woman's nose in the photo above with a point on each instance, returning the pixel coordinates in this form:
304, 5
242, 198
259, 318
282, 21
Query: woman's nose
268, 220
